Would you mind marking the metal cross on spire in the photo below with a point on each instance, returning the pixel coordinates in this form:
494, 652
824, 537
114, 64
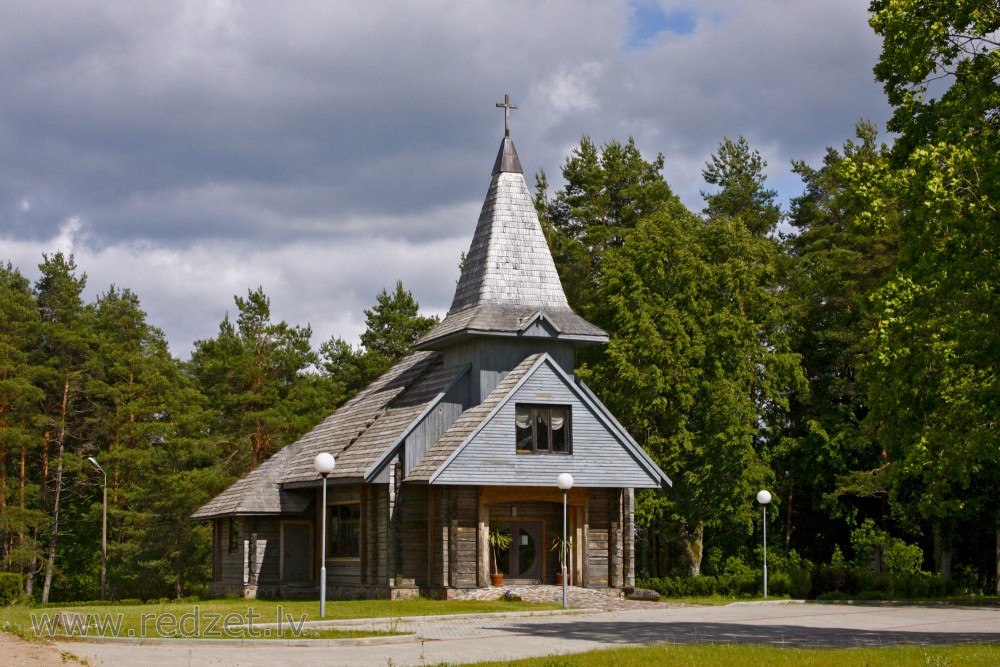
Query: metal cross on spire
506, 106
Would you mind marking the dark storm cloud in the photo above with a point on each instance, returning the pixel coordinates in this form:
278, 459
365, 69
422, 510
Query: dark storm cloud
192, 150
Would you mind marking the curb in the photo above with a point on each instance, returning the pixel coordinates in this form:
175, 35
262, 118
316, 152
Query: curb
325, 624
187, 641
354, 622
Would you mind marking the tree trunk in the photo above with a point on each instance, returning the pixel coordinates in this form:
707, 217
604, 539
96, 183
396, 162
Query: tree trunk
29, 579
790, 495
50, 563
998, 560
694, 542
942, 553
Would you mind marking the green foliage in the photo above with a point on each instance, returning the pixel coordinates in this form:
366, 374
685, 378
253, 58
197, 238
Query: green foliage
697, 360
933, 367
799, 582
833, 468
393, 325
739, 173
841, 583
608, 191
500, 540
254, 376
11, 587
732, 586
872, 544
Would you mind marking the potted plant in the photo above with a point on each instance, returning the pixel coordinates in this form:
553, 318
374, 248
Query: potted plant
558, 545
500, 540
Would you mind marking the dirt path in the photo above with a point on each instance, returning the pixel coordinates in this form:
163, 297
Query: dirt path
17, 651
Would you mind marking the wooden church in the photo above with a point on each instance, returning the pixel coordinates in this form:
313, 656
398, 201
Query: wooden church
467, 434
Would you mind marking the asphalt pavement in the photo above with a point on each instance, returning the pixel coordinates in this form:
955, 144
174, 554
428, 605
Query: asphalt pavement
478, 638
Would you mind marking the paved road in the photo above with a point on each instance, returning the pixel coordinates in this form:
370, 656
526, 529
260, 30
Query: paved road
496, 638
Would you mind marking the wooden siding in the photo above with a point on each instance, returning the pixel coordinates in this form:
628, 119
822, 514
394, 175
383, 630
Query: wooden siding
413, 534
628, 535
598, 536
375, 517
231, 563
599, 459
492, 358
268, 556
453, 557
435, 423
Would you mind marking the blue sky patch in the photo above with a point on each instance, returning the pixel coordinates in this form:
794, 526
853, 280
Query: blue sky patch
648, 19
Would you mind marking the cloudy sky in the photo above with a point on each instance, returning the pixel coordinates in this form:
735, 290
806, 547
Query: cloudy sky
192, 150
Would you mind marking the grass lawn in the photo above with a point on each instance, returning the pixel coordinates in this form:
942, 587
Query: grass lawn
972, 655
216, 618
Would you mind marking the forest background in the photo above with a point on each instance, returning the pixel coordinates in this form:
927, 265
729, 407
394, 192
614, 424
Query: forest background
849, 365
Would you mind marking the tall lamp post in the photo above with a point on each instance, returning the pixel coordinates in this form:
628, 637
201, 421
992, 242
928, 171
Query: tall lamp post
324, 466
104, 526
564, 482
764, 497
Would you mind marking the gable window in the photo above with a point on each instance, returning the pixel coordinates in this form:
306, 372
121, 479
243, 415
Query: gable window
542, 429
344, 531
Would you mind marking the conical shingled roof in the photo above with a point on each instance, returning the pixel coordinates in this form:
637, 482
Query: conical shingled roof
509, 278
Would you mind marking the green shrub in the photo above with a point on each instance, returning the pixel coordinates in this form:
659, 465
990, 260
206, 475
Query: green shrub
11, 587
800, 581
833, 595
897, 556
828, 579
779, 584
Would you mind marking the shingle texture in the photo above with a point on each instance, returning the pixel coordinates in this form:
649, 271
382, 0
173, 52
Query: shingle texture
509, 274
357, 434
257, 493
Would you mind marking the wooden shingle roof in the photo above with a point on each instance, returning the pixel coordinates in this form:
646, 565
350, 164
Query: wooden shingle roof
508, 273
357, 435
256, 493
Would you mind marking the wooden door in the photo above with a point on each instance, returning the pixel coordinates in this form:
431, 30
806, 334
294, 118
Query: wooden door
526, 555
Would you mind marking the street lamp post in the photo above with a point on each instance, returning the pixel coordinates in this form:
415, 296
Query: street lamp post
764, 497
324, 463
564, 482
104, 527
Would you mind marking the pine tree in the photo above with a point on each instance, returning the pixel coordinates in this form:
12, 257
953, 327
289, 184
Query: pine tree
66, 344
19, 439
250, 374
393, 325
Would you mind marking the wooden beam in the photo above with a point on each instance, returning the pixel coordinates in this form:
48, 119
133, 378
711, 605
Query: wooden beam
482, 542
505, 494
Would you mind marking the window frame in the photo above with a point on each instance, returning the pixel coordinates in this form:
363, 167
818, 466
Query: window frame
546, 408
333, 511
234, 534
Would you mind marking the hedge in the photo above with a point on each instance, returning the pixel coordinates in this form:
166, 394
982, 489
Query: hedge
11, 587
823, 582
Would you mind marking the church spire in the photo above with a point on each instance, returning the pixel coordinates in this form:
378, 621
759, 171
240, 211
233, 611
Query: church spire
509, 282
